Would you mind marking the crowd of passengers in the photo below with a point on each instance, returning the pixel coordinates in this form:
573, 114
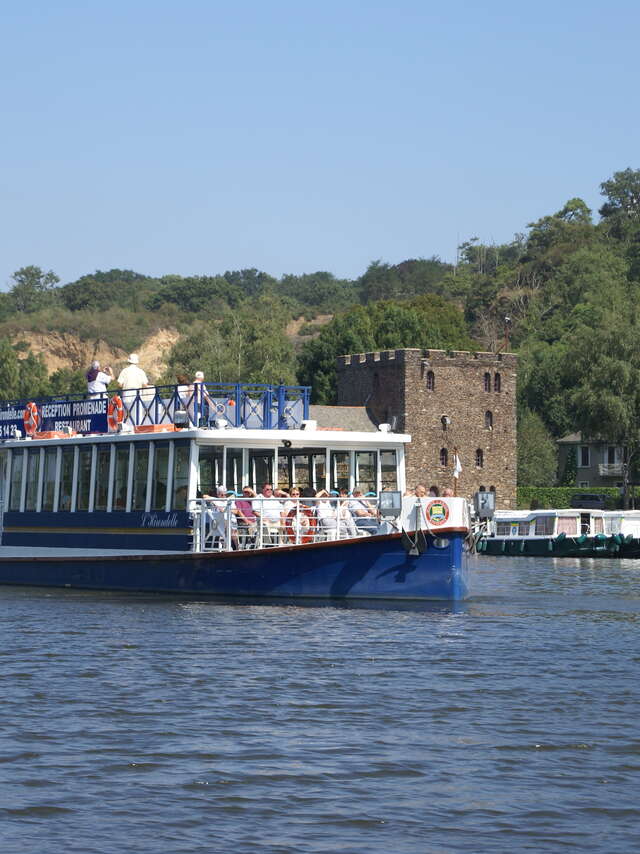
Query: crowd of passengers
282, 516
285, 516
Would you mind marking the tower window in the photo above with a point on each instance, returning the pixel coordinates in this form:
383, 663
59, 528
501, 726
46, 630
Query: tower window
487, 382
431, 381
480, 458
444, 457
497, 382
488, 420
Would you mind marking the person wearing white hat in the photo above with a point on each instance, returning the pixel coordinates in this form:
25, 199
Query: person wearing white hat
131, 378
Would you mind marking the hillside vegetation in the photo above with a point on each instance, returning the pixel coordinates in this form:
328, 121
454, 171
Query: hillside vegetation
563, 295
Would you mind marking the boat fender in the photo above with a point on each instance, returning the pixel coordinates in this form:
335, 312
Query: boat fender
301, 518
30, 419
562, 536
523, 546
115, 412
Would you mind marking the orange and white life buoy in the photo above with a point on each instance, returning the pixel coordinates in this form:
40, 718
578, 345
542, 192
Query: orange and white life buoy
300, 525
30, 419
115, 412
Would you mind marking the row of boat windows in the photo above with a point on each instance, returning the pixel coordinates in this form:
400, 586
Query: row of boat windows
545, 526
302, 467
144, 476
107, 477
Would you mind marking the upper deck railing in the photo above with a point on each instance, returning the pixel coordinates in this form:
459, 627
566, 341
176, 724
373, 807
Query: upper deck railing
254, 407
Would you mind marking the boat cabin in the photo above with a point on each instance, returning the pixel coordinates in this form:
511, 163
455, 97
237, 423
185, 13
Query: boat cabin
123, 471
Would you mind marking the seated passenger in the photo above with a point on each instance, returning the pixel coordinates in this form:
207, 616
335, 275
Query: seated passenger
347, 526
327, 515
269, 511
365, 514
247, 519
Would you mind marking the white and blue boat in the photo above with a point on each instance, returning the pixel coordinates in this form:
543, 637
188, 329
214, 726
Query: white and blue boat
114, 493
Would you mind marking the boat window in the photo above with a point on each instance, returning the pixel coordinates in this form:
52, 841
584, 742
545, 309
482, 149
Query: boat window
140, 471
597, 525
49, 478
339, 461
503, 529
33, 470
160, 475
302, 467
180, 475
366, 471
102, 477
121, 477
84, 477
568, 525
66, 480
545, 526
16, 480
233, 479
210, 469
260, 468
389, 470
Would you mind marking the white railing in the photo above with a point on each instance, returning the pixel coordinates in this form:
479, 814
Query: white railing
228, 524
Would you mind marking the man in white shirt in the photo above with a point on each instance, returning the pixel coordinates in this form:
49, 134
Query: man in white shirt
271, 514
130, 379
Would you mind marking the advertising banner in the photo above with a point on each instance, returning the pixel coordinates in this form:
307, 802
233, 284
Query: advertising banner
82, 416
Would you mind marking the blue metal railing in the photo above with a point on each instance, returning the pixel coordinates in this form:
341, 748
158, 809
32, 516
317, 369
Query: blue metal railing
253, 406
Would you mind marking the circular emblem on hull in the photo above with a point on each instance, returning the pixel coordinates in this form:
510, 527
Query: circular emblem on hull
437, 512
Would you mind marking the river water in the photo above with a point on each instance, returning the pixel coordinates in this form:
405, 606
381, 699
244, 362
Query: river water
150, 724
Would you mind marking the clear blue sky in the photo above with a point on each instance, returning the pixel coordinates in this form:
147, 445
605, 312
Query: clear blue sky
194, 137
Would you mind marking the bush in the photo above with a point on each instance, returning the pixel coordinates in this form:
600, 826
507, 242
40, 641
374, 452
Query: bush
555, 497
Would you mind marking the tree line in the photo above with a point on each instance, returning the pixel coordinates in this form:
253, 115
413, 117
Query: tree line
563, 295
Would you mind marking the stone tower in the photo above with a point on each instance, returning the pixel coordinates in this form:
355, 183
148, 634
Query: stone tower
448, 401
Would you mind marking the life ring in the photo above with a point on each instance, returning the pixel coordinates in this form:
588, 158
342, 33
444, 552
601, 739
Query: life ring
293, 523
30, 419
115, 412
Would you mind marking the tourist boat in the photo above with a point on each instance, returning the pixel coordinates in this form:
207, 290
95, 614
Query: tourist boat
114, 493
562, 533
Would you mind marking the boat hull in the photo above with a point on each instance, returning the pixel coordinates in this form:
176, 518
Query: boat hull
584, 546
375, 567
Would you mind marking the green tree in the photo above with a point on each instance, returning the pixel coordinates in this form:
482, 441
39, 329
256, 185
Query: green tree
537, 454
570, 468
9, 371
426, 321
31, 288
247, 345
33, 377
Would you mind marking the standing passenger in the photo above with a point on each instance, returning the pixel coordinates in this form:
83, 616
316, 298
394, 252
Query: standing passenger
130, 380
97, 380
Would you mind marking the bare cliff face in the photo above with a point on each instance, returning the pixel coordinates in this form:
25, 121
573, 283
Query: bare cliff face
63, 350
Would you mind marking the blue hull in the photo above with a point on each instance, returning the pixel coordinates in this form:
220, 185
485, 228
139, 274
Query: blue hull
366, 568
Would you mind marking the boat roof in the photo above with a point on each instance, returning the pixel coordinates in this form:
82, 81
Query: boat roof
319, 438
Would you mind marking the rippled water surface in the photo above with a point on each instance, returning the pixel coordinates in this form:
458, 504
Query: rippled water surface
139, 724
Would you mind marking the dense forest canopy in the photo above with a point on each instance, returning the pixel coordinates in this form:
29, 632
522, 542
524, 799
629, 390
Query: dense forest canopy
563, 295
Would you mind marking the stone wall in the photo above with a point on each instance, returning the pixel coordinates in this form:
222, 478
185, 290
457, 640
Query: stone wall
441, 399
